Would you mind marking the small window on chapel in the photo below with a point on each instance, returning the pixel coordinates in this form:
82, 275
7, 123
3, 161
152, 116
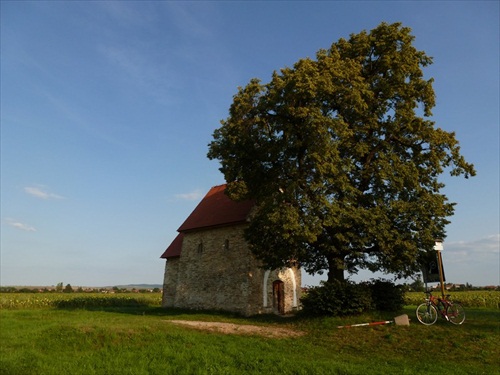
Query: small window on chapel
226, 244
200, 248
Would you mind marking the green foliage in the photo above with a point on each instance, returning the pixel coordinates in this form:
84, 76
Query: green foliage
341, 156
68, 289
9, 289
417, 285
337, 298
347, 298
386, 295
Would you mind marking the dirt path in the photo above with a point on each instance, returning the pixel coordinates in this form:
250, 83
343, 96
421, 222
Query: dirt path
239, 329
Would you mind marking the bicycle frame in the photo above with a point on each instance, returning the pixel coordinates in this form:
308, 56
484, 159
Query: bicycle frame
441, 305
428, 312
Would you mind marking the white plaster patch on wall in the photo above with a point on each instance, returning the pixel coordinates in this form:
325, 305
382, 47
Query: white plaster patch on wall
264, 288
294, 285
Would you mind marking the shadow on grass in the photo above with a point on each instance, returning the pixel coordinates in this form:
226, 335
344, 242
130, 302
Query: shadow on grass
139, 306
99, 302
482, 319
132, 306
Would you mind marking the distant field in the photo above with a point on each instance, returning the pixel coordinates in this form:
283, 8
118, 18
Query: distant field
477, 298
77, 300
474, 298
130, 334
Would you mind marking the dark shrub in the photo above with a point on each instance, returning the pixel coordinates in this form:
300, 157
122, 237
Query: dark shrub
386, 295
337, 299
347, 298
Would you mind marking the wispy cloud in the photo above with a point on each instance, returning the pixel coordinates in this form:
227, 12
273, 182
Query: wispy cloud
40, 192
480, 249
163, 69
21, 226
153, 73
473, 261
193, 24
193, 196
125, 13
73, 115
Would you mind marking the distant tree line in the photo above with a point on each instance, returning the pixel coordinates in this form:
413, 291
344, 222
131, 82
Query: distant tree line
418, 286
59, 288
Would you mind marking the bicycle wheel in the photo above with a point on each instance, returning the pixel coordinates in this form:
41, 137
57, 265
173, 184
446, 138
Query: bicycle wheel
426, 314
455, 313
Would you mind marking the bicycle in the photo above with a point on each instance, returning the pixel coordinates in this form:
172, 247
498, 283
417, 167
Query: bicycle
427, 313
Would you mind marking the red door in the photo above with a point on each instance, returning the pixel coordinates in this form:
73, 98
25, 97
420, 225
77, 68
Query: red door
279, 296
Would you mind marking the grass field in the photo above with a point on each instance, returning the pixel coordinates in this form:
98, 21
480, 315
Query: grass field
131, 334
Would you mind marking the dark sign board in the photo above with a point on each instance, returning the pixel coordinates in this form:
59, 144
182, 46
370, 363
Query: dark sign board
430, 268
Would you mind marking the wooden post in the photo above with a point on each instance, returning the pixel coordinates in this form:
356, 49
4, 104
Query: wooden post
438, 247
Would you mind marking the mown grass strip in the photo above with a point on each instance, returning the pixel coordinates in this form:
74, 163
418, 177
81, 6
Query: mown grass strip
136, 340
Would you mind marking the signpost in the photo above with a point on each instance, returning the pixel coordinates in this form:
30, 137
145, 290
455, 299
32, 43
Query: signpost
438, 246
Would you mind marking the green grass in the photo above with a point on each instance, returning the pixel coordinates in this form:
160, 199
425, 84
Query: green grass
138, 339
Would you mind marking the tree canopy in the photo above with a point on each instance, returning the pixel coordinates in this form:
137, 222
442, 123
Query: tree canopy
341, 156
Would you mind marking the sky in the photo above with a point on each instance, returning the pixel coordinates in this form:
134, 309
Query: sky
107, 110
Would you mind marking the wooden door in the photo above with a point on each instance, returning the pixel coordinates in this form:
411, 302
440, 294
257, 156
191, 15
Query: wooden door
279, 296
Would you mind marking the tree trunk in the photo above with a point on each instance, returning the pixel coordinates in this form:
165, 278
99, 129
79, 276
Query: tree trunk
335, 272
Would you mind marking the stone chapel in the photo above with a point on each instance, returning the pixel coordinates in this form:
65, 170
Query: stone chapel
210, 266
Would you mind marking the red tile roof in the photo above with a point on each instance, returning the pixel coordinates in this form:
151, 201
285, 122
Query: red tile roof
215, 209
174, 250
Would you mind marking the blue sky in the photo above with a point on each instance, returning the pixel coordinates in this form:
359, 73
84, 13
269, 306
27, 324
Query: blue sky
107, 109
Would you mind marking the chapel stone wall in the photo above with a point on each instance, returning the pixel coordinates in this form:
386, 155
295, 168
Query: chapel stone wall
216, 270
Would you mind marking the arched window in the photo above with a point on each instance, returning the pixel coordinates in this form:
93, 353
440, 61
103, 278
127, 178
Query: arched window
226, 244
200, 248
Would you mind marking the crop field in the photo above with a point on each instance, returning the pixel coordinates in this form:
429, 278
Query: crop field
77, 300
131, 334
476, 298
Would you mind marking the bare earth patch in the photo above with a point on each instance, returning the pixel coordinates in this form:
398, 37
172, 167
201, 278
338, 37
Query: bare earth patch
239, 329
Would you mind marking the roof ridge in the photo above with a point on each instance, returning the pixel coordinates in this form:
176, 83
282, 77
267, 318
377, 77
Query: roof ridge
217, 209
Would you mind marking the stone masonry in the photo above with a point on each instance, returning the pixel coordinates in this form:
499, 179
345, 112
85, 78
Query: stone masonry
217, 271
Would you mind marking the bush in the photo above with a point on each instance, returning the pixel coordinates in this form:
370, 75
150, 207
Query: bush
347, 298
386, 295
337, 299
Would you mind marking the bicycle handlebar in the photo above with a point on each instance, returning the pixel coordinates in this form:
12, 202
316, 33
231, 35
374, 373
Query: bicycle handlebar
430, 293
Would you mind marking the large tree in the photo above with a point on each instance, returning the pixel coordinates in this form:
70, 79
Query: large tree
341, 156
